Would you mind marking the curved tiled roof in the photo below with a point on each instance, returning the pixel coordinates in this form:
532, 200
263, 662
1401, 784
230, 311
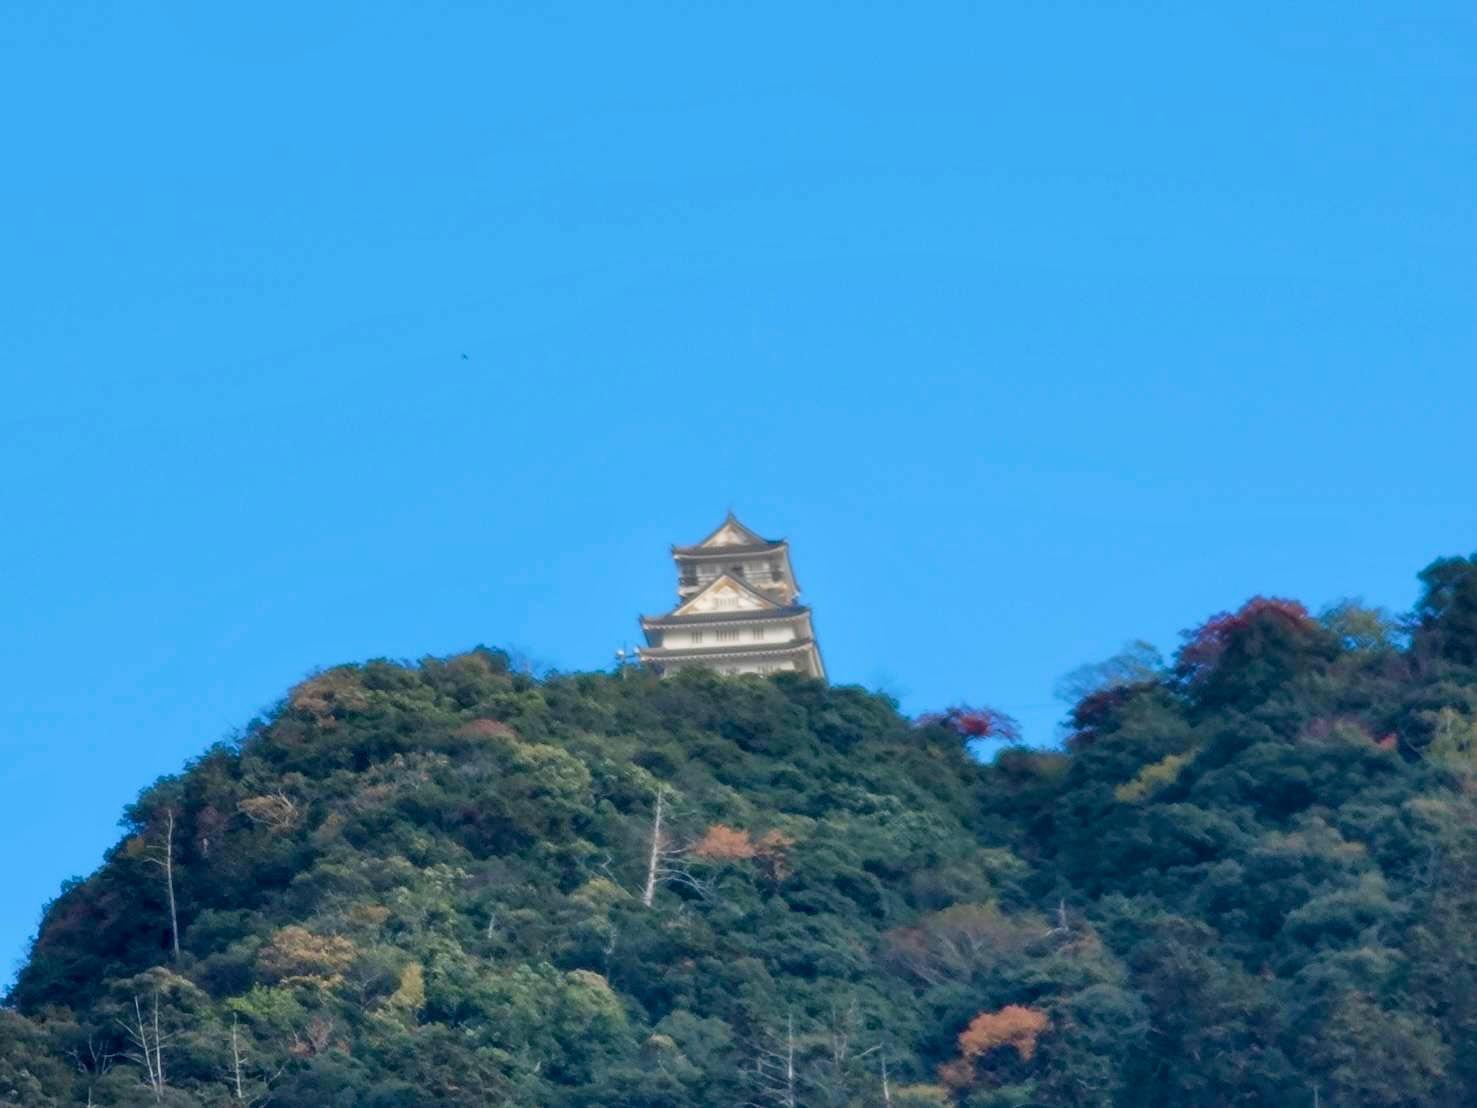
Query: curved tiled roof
752, 615
730, 520
700, 551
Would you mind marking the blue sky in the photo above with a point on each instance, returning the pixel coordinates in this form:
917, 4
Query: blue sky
1037, 328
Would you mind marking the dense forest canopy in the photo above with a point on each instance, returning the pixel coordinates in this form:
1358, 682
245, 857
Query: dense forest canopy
1249, 876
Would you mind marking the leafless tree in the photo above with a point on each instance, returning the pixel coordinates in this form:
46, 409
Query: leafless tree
959, 941
236, 1081
252, 1087
147, 1042
163, 857
771, 1072
658, 845
840, 1032
833, 1075
94, 1061
666, 861
313, 1038
1137, 661
1061, 924
275, 811
608, 950
886, 1084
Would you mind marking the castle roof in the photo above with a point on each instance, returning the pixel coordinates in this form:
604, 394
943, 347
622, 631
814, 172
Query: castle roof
730, 537
719, 583
747, 650
755, 615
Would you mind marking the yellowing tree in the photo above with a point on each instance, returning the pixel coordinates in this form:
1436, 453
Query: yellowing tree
296, 956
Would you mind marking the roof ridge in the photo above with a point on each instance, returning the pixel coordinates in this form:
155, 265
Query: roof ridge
730, 520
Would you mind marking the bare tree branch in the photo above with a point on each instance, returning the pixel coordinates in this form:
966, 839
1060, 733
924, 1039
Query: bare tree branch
252, 1091
165, 861
771, 1072
666, 862
148, 1045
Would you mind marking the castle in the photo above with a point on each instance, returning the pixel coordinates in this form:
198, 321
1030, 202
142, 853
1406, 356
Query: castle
736, 610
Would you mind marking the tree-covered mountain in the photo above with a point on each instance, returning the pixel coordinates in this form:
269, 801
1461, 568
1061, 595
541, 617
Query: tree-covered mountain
1248, 877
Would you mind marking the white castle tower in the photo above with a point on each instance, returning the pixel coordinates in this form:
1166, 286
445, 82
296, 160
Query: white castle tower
736, 610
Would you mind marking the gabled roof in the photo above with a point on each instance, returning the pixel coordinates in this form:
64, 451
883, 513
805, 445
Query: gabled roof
689, 606
730, 537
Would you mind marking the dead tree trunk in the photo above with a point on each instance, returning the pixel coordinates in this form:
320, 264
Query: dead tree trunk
149, 1046
648, 894
789, 1090
236, 1061
165, 861
772, 1075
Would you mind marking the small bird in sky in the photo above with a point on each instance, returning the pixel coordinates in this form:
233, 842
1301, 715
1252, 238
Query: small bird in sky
464, 358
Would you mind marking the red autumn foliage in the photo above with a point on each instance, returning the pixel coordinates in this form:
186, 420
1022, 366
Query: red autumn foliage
1204, 646
1094, 710
975, 723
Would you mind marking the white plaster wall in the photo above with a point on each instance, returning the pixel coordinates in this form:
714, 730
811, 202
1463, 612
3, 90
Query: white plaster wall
675, 639
733, 668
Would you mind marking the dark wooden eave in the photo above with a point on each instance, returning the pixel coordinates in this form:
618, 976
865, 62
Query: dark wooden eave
752, 615
773, 546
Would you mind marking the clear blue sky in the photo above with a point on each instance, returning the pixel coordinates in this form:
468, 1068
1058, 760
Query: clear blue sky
1037, 328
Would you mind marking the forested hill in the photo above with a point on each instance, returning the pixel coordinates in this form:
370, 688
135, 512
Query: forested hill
1250, 877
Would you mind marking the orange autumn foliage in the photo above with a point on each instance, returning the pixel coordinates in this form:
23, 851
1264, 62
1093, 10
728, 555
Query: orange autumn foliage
1013, 1026
721, 843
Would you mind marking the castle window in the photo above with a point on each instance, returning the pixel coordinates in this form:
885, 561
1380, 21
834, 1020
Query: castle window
728, 634
758, 634
697, 638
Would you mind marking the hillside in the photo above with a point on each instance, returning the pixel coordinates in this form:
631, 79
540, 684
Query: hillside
1248, 878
